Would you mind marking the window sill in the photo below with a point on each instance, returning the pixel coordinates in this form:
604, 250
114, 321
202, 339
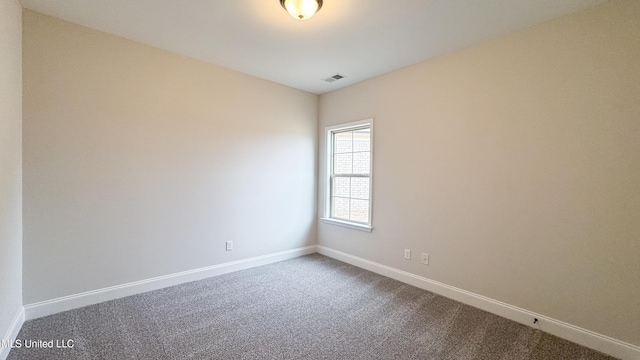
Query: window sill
347, 224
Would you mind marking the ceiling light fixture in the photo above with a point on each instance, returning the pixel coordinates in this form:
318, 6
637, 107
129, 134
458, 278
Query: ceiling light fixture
301, 9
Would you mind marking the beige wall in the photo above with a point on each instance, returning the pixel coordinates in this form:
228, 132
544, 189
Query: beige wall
140, 163
10, 162
515, 165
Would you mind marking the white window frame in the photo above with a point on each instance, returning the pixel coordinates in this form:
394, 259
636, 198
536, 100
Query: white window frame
329, 132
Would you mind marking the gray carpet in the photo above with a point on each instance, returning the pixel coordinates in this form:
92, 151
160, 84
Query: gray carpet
311, 307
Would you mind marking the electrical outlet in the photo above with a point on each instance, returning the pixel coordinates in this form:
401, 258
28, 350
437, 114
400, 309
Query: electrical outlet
407, 254
425, 258
229, 245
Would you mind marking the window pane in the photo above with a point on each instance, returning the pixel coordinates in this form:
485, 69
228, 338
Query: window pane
361, 163
341, 208
362, 140
360, 210
343, 163
360, 188
349, 183
343, 142
341, 186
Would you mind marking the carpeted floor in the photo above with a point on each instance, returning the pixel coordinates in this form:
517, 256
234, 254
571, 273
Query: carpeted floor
311, 307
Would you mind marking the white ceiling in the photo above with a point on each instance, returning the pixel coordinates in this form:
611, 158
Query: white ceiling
357, 38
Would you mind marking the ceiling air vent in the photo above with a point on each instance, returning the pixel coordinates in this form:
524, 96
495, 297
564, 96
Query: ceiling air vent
335, 77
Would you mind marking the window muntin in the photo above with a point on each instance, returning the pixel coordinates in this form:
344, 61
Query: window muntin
349, 170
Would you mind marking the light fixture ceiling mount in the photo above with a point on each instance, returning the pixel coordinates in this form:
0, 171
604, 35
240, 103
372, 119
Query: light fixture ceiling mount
301, 9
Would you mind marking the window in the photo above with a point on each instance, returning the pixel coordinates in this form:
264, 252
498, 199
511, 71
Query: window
348, 200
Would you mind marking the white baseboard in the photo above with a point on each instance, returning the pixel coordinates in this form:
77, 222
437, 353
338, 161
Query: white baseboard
12, 332
584, 337
593, 340
53, 306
